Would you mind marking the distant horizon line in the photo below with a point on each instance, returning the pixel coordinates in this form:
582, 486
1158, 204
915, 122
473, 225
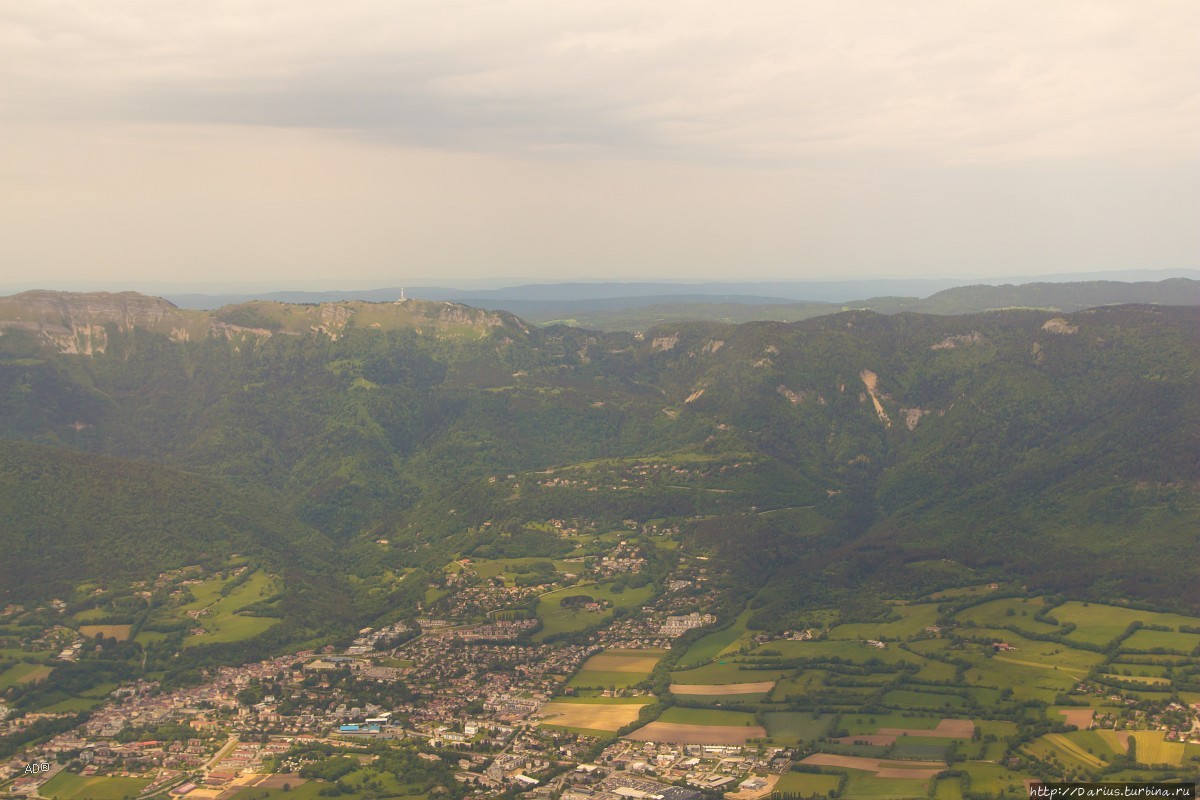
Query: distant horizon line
487, 284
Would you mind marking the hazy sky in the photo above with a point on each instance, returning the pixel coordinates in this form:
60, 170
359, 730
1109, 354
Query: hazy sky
376, 142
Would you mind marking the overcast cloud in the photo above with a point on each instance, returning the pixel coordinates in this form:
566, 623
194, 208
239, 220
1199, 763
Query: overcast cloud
385, 141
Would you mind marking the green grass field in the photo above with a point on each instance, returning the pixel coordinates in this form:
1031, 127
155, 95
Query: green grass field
850, 650
90, 614
921, 748
387, 787
206, 592
796, 727
507, 568
1171, 641
866, 786
224, 624
604, 679
806, 784
1100, 624
556, 619
714, 644
1027, 682
807, 682
996, 614
994, 779
1034, 652
593, 732
913, 619
706, 716
73, 705
69, 786
948, 789
727, 672
24, 673
906, 698
306, 791
855, 724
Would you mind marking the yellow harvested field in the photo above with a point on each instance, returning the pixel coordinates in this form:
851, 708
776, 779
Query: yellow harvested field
882, 767
597, 716
1152, 746
722, 688
1079, 717
624, 661
946, 729
118, 632
677, 733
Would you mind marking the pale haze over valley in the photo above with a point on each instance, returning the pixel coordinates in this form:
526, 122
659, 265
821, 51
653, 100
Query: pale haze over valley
370, 143
599, 400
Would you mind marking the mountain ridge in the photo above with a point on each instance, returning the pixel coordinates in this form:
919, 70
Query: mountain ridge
1009, 441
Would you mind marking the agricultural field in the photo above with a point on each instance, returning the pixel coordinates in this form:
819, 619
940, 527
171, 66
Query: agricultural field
891, 769
1079, 717
298, 789
556, 619
364, 784
511, 569
69, 786
856, 724
1028, 681
595, 716
1170, 641
639, 661
709, 647
722, 689
616, 669
1100, 624
680, 733
706, 716
926, 699
1065, 751
797, 727
806, 784
727, 671
1032, 652
118, 632
995, 778
221, 619
24, 673
912, 620
1009, 612
1152, 746
85, 701
596, 679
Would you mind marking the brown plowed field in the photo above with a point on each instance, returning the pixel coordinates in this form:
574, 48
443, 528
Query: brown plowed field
883, 767
1079, 717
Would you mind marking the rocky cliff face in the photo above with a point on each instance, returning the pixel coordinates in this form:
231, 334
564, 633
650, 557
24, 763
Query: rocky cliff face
82, 323
77, 322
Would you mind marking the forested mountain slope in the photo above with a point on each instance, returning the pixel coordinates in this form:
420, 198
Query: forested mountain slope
1061, 449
